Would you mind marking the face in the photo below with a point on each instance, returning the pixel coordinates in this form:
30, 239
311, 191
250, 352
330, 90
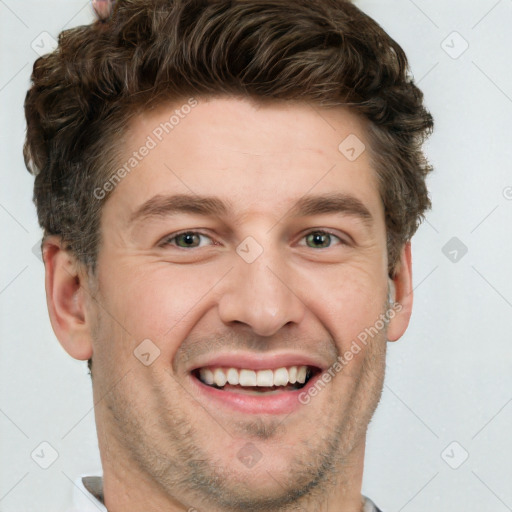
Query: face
243, 244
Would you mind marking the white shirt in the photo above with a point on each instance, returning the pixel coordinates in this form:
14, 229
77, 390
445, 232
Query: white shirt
88, 496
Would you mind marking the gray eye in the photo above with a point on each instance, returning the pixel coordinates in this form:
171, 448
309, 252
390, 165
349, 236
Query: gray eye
319, 239
188, 239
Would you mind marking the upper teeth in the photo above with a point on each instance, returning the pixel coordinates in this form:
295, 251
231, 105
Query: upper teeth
279, 377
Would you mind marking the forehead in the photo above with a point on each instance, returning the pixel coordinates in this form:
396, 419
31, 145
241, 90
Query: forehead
259, 158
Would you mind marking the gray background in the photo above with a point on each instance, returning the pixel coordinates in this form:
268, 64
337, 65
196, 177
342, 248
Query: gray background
448, 389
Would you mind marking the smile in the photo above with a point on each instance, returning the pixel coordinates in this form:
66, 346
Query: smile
247, 391
256, 382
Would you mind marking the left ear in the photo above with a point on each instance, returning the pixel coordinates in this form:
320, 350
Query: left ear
403, 295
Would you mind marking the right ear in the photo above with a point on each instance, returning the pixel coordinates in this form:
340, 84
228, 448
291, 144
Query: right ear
65, 283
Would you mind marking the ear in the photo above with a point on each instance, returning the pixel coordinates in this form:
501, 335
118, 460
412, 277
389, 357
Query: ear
65, 284
402, 281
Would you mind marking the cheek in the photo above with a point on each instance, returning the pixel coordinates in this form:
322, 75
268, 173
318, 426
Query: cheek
346, 301
157, 300
163, 302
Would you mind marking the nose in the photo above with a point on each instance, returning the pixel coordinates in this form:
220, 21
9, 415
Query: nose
262, 295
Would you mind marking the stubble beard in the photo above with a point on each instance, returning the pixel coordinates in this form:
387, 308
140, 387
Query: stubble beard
169, 451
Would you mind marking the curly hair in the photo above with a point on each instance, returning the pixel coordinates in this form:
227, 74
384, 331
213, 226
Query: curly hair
327, 52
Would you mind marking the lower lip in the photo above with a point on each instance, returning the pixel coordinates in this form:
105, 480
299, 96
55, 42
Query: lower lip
283, 402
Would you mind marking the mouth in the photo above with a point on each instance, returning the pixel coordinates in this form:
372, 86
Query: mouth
244, 380
248, 383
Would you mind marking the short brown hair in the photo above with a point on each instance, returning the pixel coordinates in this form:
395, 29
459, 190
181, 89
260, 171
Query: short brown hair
327, 52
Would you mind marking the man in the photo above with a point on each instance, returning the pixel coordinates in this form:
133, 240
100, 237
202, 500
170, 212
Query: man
228, 190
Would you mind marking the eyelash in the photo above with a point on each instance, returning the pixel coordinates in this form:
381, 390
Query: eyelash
167, 240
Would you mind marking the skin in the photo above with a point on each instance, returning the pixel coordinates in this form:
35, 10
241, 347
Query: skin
162, 445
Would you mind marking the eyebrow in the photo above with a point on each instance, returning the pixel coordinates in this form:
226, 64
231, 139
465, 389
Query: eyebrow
164, 205
161, 206
332, 203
